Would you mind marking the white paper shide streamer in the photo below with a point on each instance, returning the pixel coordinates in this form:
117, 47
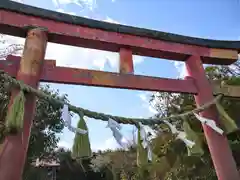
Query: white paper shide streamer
145, 142
68, 121
115, 128
209, 122
180, 134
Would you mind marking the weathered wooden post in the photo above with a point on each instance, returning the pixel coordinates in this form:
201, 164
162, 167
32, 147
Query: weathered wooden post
126, 61
221, 154
13, 154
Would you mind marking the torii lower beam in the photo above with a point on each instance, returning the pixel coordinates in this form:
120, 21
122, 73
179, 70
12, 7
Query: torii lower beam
51, 74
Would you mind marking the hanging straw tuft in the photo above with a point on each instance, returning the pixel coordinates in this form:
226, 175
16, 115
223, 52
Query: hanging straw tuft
228, 123
197, 149
81, 147
142, 159
15, 116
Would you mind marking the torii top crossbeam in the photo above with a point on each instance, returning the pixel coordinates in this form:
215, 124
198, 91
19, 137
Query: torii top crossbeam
83, 32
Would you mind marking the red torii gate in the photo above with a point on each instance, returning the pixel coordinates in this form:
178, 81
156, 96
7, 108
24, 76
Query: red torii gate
42, 26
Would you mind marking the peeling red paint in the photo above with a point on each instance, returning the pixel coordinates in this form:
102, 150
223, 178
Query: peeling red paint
13, 23
219, 148
126, 61
67, 75
15, 146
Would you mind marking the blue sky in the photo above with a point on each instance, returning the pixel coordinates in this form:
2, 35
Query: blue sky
215, 19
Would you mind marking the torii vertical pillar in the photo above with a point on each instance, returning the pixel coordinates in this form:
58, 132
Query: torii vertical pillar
219, 148
14, 151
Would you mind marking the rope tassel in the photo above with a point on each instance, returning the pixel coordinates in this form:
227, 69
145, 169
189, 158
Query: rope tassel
81, 147
228, 123
197, 149
142, 156
102, 116
15, 116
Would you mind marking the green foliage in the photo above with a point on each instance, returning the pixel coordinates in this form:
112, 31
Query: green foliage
197, 149
229, 125
4, 100
69, 168
46, 124
142, 159
171, 157
35, 173
194, 167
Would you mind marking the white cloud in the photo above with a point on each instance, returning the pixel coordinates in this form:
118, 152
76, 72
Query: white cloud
88, 4
20, 1
233, 67
156, 102
79, 58
86, 58
64, 144
145, 97
180, 66
10, 45
110, 143
66, 12
110, 20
